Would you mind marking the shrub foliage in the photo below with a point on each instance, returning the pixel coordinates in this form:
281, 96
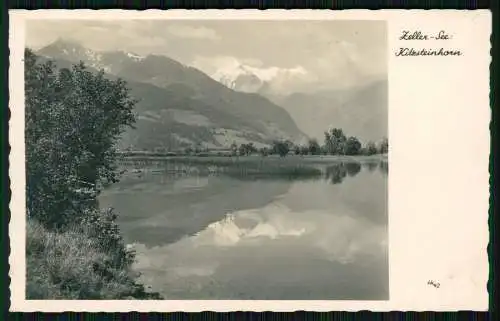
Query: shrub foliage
73, 118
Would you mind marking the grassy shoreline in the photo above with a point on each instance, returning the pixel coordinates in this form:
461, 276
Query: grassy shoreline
290, 158
75, 264
266, 164
253, 166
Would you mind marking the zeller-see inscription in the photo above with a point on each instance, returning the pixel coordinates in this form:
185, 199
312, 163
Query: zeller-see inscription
417, 35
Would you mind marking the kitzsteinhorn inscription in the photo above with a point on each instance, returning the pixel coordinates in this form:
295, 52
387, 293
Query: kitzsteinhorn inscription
416, 35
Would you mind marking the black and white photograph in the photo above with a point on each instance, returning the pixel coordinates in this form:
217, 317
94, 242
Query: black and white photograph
238, 160
206, 160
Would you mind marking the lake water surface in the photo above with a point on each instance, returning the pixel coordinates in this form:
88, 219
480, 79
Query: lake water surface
216, 237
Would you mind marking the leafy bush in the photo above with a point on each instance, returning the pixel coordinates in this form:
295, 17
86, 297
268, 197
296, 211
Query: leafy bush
73, 119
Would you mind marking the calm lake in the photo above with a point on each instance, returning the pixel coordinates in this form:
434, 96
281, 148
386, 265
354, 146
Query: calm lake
220, 237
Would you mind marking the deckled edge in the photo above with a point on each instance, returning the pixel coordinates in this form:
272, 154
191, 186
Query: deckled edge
6, 161
491, 221
490, 248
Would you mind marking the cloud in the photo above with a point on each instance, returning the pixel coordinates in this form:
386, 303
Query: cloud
234, 68
230, 68
95, 35
342, 65
271, 73
238, 255
307, 56
192, 32
339, 238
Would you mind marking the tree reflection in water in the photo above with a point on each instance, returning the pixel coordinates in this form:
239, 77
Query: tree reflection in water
336, 173
384, 167
353, 169
371, 166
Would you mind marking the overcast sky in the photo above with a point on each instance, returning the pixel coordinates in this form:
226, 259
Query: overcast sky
340, 53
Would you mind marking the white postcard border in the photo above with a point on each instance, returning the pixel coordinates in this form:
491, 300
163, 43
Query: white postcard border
439, 118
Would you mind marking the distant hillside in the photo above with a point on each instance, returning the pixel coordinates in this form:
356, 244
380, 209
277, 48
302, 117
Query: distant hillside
180, 106
361, 112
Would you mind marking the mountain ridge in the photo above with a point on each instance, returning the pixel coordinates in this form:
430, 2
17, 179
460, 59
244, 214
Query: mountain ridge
181, 106
359, 111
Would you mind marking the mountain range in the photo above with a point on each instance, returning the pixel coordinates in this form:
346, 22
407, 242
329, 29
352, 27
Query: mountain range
180, 106
361, 111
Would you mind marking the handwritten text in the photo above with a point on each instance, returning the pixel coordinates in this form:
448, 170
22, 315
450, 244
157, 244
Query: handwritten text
419, 36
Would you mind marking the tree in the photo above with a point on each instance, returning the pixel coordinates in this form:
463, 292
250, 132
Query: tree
242, 150
264, 151
313, 147
328, 147
371, 148
384, 146
234, 148
73, 120
247, 149
198, 148
339, 140
335, 141
160, 150
352, 146
281, 148
251, 148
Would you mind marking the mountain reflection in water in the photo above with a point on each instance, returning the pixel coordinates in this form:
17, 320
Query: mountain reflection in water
219, 237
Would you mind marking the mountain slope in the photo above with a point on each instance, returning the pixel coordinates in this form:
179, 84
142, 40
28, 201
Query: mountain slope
360, 112
180, 106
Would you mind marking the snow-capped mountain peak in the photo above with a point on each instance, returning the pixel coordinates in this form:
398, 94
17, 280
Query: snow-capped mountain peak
134, 56
246, 78
239, 77
226, 81
73, 51
230, 73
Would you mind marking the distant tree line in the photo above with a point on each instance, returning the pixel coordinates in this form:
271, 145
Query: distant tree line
335, 143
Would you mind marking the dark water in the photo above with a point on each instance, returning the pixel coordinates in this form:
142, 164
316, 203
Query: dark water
217, 237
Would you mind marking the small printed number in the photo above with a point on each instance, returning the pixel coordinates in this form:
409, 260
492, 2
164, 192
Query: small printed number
434, 284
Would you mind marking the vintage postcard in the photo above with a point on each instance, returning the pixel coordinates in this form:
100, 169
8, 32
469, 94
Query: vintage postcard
229, 160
